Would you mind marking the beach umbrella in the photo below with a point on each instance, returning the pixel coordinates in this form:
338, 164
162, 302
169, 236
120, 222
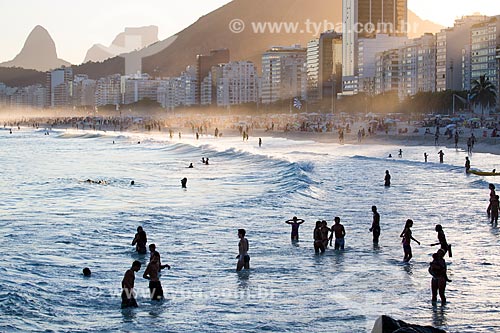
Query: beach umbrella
373, 121
451, 126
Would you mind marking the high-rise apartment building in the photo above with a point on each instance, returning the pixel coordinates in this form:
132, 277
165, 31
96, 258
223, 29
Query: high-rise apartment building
366, 19
204, 64
284, 74
59, 87
237, 83
108, 90
324, 66
450, 44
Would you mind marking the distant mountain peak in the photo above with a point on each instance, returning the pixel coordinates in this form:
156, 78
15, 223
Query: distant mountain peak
39, 52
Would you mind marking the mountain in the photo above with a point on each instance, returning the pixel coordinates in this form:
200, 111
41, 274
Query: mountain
417, 26
39, 52
129, 40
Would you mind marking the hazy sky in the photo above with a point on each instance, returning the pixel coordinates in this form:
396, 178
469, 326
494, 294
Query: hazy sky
76, 25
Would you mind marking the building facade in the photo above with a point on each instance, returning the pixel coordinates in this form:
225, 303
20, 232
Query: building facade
284, 74
108, 90
60, 87
204, 64
366, 19
237, 83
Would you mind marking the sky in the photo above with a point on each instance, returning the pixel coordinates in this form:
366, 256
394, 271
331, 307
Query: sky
77, 25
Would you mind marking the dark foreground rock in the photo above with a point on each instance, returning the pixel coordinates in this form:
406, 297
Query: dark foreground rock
385, 324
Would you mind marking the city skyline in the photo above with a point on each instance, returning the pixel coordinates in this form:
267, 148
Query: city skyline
72, 41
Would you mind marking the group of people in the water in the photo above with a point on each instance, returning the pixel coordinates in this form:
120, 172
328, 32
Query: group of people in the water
154, 267
151, 273
324, 236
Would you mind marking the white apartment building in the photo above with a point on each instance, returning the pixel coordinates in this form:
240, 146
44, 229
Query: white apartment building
108, 90
84, 91
367, 51
450, 44
387, 71
284, 74
237, 83
135, 88
29, 97
59, 87
178, 91
417, 60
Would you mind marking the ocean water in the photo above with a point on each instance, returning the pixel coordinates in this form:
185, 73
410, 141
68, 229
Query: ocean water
53, 224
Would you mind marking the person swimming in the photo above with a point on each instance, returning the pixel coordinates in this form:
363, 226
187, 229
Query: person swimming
132, 183
87, 272
190, 166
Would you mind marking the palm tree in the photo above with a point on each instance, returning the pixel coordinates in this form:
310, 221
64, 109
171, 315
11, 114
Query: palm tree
483, 92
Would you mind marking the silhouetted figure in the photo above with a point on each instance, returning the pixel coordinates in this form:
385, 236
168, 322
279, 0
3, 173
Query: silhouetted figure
203, 160
494, 209
152, 250
151, 274
425, 157
132, 183
206, 161
295, 223
318, 238
184, 182
243, 246
442, 240
260, 142
467, 164
407, 238
339, 231
190, 166
400, 153
438, 270
441, 156
390, 156
128, 299
140, 241
375, 229
87, 272
387, 179
492, 197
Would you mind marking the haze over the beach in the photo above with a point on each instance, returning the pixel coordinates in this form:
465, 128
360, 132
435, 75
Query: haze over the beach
78, 26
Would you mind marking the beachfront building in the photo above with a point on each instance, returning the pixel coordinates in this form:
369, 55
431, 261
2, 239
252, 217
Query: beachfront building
386, 71
417, 61
4, 97
284, 73
108, 90
59, 87
450, 44
324, 66
237, 83
135, 88
485, 37
204, 64
206, 90
33, 96
367, 50
366, 19
178, 91
84, 91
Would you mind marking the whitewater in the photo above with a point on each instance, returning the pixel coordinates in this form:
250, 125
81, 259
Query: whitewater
53, 224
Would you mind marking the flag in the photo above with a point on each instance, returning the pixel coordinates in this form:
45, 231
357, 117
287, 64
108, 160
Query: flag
296, 103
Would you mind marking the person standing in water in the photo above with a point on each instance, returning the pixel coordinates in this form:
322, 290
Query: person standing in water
140, 241
152, 251
494, 209
128, 299
387, 179
184, 182
375, 229
260, 142
151, 274
318, 238
407, 238
400, 153
295, 223
425, 157
441, 156
339, 231
442, 240
467, 164
438, 270
243, 246
492, 197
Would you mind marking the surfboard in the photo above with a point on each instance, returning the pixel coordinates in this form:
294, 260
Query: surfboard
483, 173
